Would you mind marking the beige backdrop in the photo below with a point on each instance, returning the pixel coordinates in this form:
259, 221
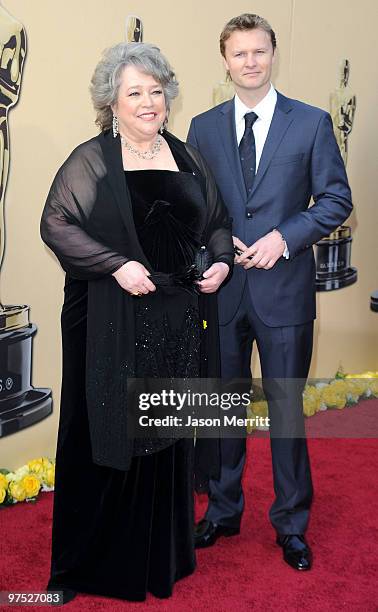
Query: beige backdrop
65, 40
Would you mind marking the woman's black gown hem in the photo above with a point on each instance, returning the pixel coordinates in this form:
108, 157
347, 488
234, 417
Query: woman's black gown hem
73, 588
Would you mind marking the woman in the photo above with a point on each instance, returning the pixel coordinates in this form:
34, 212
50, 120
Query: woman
126, 216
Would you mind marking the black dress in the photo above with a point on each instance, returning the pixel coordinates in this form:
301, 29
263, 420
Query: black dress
118, 533
88, 223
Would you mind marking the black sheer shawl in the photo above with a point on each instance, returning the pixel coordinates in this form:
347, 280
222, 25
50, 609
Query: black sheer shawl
88, 222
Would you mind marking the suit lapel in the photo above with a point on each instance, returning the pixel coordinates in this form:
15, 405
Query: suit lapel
282, 117
227, 132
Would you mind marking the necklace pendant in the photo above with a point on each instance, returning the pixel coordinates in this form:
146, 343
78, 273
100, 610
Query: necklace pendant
147, 155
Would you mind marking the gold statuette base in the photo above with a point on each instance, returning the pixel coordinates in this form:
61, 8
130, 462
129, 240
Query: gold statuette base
13, 317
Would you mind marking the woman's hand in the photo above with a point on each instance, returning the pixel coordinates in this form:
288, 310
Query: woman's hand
213, 277
133, 277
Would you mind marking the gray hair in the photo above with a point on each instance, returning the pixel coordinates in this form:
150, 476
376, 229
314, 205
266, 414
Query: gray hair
106, 79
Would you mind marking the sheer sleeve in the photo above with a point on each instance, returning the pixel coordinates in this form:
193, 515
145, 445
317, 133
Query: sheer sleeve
68, 205
219, 226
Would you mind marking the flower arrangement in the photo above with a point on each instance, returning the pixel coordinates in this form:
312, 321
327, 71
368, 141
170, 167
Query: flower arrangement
344, 390
27, 482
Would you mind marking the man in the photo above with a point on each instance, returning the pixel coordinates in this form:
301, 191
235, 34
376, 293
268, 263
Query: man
269, 155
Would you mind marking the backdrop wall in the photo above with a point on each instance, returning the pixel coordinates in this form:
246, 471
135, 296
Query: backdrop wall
54, 114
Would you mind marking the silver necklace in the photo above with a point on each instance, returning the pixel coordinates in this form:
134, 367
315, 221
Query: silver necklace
149, 154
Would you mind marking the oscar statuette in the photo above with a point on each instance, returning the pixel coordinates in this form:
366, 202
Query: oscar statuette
333, 253
333, 269
21, 404
134, 29
223, 91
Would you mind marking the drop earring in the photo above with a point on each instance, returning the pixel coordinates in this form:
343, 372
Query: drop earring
163, 126
115, 126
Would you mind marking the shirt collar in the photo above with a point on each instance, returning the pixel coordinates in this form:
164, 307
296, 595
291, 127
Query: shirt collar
264, 109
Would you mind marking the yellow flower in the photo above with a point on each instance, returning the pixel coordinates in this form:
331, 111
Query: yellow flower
312, 400
373, 386
49, 476
340, 386
309, 405
250, 425
20, 473
3, 481
260, 408
31, 484
358, 387
38, 465
3, 493
333, 397
17, 490
204, 323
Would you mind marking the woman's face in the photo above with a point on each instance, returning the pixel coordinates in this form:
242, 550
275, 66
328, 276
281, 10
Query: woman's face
140, 106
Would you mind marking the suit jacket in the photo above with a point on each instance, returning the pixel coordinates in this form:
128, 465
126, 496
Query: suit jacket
300, 159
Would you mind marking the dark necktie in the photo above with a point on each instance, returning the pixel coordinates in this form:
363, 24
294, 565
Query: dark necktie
247, 151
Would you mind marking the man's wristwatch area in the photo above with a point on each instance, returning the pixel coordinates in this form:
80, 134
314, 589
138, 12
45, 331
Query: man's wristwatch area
285, 254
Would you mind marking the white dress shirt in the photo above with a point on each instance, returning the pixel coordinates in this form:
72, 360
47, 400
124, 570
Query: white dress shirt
264, 111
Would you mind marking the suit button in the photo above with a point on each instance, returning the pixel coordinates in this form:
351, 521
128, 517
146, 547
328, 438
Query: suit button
249, 215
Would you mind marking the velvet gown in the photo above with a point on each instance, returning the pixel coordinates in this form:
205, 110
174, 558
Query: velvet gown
125, 533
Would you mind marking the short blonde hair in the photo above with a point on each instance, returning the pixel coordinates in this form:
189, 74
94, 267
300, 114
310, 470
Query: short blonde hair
246, 21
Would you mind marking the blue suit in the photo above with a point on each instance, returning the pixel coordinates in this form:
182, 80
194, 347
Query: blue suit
275, 307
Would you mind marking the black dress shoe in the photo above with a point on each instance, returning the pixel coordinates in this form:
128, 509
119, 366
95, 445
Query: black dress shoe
296, 551
206, 533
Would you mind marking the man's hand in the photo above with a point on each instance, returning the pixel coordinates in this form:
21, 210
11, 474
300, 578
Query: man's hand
265, 252
213, 277
239, 247
238, 243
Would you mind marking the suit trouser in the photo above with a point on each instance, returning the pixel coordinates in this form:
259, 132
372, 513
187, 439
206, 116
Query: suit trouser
285, 353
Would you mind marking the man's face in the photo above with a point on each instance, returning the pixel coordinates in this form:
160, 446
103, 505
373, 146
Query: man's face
249, 59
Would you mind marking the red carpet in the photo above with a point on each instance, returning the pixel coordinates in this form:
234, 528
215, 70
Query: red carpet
245, 572
358, 421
